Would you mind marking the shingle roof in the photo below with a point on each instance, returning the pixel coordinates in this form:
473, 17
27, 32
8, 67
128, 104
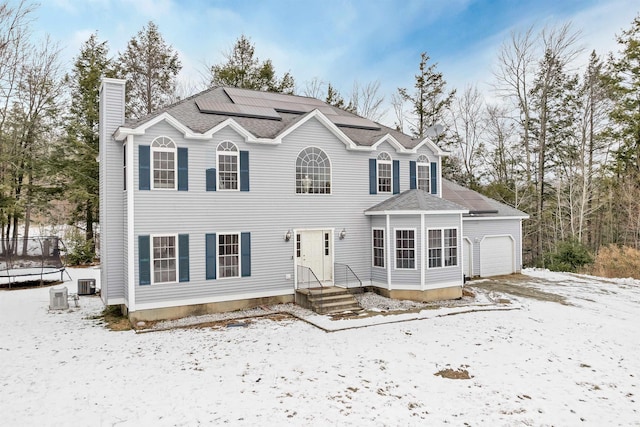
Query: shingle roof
452, 191
416, 200
188, 113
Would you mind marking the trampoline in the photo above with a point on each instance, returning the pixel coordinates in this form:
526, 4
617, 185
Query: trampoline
31, 259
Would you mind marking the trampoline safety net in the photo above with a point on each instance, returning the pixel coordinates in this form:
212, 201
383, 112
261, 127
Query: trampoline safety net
31, 256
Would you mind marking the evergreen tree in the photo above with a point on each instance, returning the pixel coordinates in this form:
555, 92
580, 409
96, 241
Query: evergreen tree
82, 139
244, 70
429, 100
150, 67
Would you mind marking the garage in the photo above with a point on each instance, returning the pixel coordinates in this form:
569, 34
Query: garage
496, 256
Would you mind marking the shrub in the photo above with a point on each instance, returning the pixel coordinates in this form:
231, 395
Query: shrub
616, 261
569, 255
80, 250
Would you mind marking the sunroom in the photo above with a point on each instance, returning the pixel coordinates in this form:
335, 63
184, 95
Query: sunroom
416, 247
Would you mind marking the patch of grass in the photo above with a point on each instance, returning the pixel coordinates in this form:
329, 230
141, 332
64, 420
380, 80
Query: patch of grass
454, 374
113, 319
616, 261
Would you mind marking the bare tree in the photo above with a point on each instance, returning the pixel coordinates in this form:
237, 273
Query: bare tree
367, 101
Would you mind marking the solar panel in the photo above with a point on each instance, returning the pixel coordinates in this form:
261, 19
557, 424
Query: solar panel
234, 93
227, 109
354, 122
467, 198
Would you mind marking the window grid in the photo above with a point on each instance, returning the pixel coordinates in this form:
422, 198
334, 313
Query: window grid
405, 249
326, 244
228, 255
423, 177
298, 245
228, 166
313, 172
450, 247
435, 248
164, 163
384, 173
164, 259
443, 247
378, 248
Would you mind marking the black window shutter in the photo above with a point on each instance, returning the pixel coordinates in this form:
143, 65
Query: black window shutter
144, 167
245, 252
373, 185
244, 171
144, 261
210, 255
183, 257
412, 175
396, 176
211, 179
183, 169
434, 178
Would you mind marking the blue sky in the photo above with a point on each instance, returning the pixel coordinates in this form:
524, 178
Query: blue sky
336, 40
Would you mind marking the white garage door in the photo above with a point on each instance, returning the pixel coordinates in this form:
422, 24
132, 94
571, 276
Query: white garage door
496, 256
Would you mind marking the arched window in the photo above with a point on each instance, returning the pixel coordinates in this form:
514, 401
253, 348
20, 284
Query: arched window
163, 153
384, 173
313, 172
423, 173
227, 154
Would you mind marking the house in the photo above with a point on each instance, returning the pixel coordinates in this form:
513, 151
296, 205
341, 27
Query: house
235, 198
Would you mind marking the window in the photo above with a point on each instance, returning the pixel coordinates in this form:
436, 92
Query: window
163, 151
405, 249
423, 173
298, 245
378, 247
227, 153
326, 244
228, 255
164, 259
313, 172
443, 248
384, 173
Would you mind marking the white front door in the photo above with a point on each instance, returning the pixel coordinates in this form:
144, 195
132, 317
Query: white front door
316, 247
468, 260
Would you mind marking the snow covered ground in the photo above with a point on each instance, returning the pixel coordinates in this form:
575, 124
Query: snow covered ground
542, 363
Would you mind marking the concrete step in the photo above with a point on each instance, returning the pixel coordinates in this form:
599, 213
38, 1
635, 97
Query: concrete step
336, 307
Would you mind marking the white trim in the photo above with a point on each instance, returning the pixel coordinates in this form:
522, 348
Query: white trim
131, 258
464, 264
520, 240
213, 299
153, 150
442, 247
423, 164
295, 189
384, 248
299, 231
384, 162
389, 253
416, 212
492, 218
439, 152
218, 234
423, 264
151, 259
393, 142
415, 249
114, 301
236, 154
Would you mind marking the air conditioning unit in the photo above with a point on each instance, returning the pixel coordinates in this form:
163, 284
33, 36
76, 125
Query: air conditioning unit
86, 286
58, 299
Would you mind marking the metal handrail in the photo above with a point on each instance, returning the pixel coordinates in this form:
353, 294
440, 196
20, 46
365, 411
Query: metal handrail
343, 270
311, 278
